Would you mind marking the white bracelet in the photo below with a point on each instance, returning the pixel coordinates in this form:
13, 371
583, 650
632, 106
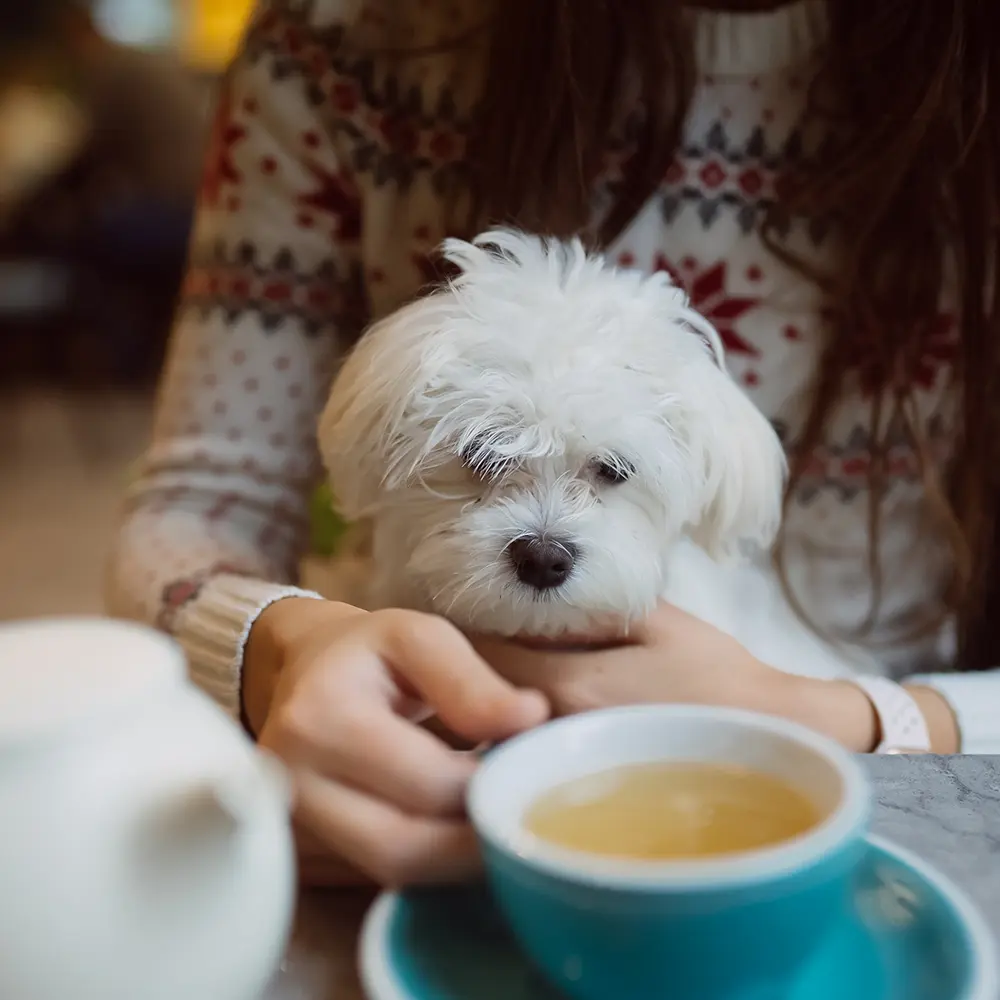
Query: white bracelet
903, 726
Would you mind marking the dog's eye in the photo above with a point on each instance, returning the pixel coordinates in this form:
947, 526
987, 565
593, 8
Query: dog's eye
613, 471
483, 461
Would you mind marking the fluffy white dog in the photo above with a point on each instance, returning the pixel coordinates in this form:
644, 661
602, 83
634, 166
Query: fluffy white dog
547, 445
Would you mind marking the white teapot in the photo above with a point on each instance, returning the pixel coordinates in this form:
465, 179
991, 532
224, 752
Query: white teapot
145, 846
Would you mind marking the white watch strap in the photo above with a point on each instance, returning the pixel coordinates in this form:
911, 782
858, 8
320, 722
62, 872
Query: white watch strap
903, 726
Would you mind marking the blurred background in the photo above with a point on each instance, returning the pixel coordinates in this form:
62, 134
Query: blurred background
104, 110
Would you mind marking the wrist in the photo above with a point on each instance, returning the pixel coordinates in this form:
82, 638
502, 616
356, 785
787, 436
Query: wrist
278, 626
274, 633
942, 725
843, 711
835, 708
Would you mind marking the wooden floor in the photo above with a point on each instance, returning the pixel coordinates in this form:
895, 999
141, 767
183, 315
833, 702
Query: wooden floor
64, 461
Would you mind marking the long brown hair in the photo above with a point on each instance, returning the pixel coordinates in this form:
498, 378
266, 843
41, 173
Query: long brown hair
910, 178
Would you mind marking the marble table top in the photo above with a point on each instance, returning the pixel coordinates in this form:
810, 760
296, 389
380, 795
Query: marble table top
946, 809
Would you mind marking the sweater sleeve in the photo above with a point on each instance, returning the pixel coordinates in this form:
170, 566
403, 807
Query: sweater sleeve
216, 519
975, 700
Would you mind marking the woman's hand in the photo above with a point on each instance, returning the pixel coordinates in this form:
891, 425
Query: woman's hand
674, 657
335, 692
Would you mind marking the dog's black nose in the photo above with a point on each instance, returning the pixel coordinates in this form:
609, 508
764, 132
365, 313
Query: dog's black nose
542, 563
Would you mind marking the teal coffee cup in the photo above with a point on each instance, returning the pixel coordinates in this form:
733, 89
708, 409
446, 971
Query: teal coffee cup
727, 927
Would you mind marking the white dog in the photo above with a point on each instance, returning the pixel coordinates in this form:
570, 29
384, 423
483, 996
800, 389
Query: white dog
547, 445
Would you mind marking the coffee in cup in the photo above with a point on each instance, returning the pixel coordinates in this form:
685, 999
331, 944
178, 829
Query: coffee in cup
672, 811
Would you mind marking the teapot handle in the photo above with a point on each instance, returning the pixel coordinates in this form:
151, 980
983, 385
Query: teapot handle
223, 802
210, 840
241, 795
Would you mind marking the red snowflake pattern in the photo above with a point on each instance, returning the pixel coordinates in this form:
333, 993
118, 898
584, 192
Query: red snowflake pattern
938, 353
335, 196
709, 295
220, 168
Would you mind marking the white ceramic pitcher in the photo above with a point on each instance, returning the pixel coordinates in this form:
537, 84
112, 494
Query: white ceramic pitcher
145, 849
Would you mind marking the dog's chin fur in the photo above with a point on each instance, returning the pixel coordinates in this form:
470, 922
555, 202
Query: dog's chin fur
482, 414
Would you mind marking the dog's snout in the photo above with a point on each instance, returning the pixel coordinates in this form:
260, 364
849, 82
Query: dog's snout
542, 563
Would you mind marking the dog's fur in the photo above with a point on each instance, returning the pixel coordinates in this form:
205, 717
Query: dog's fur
503, 406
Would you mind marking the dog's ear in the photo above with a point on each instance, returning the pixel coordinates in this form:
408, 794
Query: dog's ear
744, 471
391, 411
363, 435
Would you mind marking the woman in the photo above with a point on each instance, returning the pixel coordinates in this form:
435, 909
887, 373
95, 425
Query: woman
822, 177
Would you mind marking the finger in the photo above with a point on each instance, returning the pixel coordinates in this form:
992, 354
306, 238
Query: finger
470, 697
390, 846
389, 757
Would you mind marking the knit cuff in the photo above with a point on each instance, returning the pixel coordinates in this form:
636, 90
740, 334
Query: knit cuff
975, 700
213, 630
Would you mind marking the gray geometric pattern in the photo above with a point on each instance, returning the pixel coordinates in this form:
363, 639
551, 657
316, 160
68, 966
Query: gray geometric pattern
720, 175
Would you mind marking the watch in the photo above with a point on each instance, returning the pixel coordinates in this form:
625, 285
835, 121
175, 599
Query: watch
903, 728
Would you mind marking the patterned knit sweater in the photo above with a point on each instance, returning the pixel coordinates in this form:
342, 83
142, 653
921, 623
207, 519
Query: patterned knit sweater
322, 201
